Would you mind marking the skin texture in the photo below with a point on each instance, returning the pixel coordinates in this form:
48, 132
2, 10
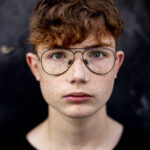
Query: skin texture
73, 125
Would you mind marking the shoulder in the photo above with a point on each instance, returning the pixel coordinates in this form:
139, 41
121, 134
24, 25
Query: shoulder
35, 136
17, 142
133, 139
129, 137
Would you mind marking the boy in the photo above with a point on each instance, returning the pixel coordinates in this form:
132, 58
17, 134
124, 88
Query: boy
76, 63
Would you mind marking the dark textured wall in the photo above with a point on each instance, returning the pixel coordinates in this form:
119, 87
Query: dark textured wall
21, 103
131, 97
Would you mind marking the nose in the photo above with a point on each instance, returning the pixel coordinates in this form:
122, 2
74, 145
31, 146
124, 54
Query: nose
78, 73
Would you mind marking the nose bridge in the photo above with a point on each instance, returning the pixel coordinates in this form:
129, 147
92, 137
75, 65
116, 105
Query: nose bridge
79, 72
78, 52
78, 59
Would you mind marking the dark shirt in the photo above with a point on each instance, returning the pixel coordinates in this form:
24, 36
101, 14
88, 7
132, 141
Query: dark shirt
130, 140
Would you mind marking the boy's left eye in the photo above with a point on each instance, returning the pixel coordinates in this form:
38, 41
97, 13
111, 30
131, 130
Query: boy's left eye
97, 54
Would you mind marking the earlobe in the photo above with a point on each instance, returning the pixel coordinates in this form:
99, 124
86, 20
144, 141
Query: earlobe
33, 64
119, 61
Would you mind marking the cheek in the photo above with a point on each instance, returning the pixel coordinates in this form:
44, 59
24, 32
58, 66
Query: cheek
103, 87
49, 88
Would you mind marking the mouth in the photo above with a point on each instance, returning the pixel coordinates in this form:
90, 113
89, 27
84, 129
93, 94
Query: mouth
78, 97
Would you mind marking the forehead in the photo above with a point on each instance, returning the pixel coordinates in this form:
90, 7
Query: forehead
105, 41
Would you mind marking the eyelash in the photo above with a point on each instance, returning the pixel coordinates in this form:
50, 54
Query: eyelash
64, 55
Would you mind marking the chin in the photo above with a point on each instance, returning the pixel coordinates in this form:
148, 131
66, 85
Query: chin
80, 112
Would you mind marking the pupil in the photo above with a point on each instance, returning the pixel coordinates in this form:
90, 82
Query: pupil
58, 55
96, 54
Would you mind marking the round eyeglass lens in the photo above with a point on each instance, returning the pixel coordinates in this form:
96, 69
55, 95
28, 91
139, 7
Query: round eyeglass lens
56, 61
100, 60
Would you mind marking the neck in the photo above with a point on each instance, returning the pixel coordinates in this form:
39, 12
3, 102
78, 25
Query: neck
77, 131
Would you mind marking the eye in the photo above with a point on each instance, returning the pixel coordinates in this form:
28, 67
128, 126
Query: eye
57, 55
97, 54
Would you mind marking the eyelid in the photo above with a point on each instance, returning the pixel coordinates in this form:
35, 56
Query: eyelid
53, 53
90, 48
92, 51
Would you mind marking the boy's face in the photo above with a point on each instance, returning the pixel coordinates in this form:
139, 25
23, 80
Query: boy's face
77, 79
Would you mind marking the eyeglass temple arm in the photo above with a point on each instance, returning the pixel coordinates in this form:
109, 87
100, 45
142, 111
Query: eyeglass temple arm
39, 59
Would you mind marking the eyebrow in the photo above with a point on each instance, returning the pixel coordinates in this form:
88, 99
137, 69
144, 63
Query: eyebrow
86, 47
92, 46
102, 44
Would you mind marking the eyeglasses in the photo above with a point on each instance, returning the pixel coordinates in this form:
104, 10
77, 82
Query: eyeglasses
57, 61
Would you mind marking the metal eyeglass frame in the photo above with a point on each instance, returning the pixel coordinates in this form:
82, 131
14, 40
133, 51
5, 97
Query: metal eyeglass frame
71, 62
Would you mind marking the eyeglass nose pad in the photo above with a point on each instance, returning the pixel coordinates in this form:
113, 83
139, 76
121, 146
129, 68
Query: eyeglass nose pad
86, 61
70, 62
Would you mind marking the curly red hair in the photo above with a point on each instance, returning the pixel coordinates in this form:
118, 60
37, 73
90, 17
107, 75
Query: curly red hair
71, 21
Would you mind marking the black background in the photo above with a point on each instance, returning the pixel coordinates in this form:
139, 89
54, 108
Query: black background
21, 103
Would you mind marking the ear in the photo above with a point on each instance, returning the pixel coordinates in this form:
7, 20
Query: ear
33, 64
119, 61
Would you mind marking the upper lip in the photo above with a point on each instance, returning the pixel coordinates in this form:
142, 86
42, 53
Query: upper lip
78, 94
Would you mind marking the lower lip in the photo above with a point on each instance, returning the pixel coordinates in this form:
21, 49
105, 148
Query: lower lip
78, 99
